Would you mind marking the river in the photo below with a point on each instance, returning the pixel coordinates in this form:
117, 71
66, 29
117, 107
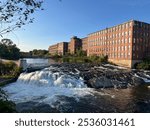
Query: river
52, 90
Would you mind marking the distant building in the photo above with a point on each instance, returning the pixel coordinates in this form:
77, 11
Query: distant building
85, 44
53, 50
75, 44
62, 48
125, 44
59, 48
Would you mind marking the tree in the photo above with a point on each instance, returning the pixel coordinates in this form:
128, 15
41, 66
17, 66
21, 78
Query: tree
16, 13
80, 53
8, 50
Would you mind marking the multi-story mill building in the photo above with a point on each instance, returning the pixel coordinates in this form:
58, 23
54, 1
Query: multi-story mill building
85, 44
62, 48
125, 44
74, 45
53, 49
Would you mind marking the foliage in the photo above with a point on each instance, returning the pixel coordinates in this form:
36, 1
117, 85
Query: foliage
7, 106
9, 69
85, 59
38, 53
35, 54
145, 64
25, 55
80, 53
8, 50
16, 13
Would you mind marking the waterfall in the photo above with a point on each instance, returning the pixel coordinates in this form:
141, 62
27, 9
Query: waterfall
45, 86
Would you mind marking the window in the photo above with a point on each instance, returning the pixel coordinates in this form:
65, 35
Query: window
127, 25
129, 40
129, 47
125, 48
122, 48
134, 40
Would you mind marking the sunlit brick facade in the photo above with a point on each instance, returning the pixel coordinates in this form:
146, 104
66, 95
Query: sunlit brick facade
59, 48
53, 49
84, 44
62, 48
125, 44
75, 44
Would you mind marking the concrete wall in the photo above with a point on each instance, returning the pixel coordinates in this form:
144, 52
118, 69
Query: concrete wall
125, 63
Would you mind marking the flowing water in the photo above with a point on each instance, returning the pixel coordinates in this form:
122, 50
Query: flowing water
51, 90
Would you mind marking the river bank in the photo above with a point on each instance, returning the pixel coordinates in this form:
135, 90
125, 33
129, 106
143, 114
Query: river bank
9, 73
69, 87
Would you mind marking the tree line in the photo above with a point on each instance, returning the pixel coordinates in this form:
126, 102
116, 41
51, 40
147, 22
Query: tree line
9, 50
35, 54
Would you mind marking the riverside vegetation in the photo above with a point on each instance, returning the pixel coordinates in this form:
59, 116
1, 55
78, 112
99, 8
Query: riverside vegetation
145, 65
80, 57
9, 72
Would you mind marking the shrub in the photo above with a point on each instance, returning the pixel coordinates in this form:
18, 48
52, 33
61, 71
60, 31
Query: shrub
143, 65
9, 69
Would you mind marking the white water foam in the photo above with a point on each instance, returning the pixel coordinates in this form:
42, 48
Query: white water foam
44, 86
145, 79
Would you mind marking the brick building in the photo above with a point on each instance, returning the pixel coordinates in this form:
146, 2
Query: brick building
84, 44
74, 45
53, 49
62, 48
125, 44
59, 48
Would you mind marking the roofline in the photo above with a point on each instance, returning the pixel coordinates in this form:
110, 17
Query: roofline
119, 24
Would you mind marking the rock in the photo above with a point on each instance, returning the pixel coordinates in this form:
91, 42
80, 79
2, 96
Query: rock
137, 81
100, 82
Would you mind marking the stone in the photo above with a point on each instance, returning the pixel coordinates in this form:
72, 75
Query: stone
137, 81
101, 82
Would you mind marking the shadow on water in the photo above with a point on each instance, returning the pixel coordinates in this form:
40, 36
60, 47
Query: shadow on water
136, 100
141, 99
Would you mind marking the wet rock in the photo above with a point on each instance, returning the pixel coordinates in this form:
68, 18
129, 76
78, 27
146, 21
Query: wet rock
103, 75
137, 81
101, 82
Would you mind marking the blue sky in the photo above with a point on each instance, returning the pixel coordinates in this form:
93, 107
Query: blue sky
62, 20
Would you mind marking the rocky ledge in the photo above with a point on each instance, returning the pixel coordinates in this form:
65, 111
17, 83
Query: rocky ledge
105, 75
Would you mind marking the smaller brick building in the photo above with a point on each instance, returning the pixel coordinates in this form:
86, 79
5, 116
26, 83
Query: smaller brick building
62, 48
59, 48
53, 49
75, 44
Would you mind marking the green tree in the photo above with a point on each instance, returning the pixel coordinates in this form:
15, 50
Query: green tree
8, 50
80, 53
